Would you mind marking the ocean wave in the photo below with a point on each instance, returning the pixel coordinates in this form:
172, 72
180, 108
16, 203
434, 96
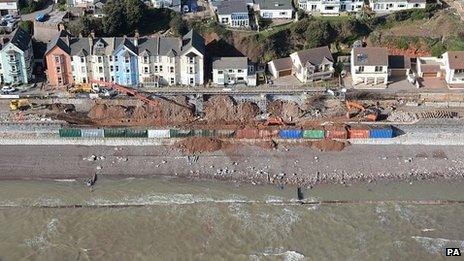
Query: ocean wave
286, 255
438, 245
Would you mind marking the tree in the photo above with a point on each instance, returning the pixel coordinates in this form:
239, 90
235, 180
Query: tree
27, 26
317, 34
122, 16
177, 25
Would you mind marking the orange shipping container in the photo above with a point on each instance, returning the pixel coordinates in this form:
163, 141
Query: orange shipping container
358, 133
247, 134
336, 132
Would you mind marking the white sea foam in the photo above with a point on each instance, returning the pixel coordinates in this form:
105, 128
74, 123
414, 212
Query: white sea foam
437, 245
286, 255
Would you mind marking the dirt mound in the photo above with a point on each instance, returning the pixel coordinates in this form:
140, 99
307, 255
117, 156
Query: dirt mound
200, 144
175, 110
287, 110
224, 109
329, 145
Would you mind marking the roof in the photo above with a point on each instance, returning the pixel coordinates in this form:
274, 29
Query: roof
21, 39
315, 56
275, 4
282, 64
370, 56
193, 39
168, 46
232, 6
399, 62
456, 59
230, 63
430, 68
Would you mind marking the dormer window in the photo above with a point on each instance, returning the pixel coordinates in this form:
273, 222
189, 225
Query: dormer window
100, 45
146, 59
191, 59
127, 59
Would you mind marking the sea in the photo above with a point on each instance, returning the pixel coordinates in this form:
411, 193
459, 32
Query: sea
177, 219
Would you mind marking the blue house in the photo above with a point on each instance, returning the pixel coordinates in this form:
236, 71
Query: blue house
125, 59
16, 58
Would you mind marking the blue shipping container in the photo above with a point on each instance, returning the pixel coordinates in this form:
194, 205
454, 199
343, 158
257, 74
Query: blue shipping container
381, 133
291, 134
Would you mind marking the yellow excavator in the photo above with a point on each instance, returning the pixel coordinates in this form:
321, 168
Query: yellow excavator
81, 88
355, 109
20, 104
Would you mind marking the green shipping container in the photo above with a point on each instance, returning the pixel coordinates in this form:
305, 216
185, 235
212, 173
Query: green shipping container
225, 134
136, 133
180, 133
115, 133
70, 133
313, 134
208, 133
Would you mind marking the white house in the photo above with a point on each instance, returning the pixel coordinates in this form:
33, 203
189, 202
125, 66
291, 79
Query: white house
454, 67
8, 7
384, 6
192, 59
307, 65
233, 70
330, 7
369, 66
233, 13
274, 9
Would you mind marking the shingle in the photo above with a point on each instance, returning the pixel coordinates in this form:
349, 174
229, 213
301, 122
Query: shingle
21, 39
315, 56
223, 63
456, 59
275, 4
283, 64
232, 6
370, 56
193, 39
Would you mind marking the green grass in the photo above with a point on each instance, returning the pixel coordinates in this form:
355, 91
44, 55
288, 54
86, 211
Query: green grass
275, 29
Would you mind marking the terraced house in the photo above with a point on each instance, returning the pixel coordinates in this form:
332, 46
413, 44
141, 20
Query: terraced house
16, 58
130, 61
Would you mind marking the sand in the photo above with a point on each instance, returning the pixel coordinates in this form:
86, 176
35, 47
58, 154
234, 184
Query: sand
301, 165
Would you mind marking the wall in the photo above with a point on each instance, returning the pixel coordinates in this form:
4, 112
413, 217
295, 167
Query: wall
51, 67
276, 14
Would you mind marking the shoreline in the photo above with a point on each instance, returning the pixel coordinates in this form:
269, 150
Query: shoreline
287, 165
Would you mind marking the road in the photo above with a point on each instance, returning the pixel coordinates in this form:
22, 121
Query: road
32, 16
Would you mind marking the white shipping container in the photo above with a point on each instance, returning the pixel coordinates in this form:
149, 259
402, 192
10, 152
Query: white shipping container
159, 134
92, 133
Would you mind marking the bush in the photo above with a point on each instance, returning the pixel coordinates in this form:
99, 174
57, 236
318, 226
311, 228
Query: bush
402, 43
438, 49
27, 26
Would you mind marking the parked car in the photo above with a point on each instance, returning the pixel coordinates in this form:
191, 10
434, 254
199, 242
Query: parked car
8, 89
41, 17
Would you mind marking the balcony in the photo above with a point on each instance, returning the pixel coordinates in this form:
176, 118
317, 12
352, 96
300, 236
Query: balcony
320, 75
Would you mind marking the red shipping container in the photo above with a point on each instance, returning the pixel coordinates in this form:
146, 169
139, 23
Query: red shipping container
336, 132
247, 134
268, 134
358, 133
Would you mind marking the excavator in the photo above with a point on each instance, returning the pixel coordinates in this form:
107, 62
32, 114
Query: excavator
355, 109
131, 92
273, 121
80, 88
20, 104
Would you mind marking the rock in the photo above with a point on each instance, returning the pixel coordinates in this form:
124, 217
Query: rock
99, 167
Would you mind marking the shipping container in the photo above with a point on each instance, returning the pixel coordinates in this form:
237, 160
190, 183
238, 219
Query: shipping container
358, 133
180, 133
131, 133
290, 134
115, 133
247, 134
70, 133
207, 133
160, 134
92, 133
268, 134
334, 132
382, 133
313, 134
225, 133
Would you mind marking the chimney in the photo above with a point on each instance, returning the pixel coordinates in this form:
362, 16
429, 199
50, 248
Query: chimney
136, 38
92, 34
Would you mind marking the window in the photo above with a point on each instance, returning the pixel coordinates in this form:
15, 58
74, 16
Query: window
145, 70
111, 68
146, 59
239, 70
117, 68
72, 68
191, 80
127, 59
171, 69
172, 80
72, 58
156, 68
102, 79
82, 59
99, 59
231, 71
239, 78
171, 59
110, 58
115, 58
190, 70
220, 72
112, 78
401, 6
378, 68
161, 68
127, 69
83, 69
100, 69
60, 80
156, 59
459, 71
191, 59
361, 69
57, 58
58, 69
283, 13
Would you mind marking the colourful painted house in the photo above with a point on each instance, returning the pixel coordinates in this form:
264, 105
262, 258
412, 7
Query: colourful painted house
16, 58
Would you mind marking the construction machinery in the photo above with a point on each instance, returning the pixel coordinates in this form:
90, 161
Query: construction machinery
81, 88
355, 109
131, 92
273, 121
20, 104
